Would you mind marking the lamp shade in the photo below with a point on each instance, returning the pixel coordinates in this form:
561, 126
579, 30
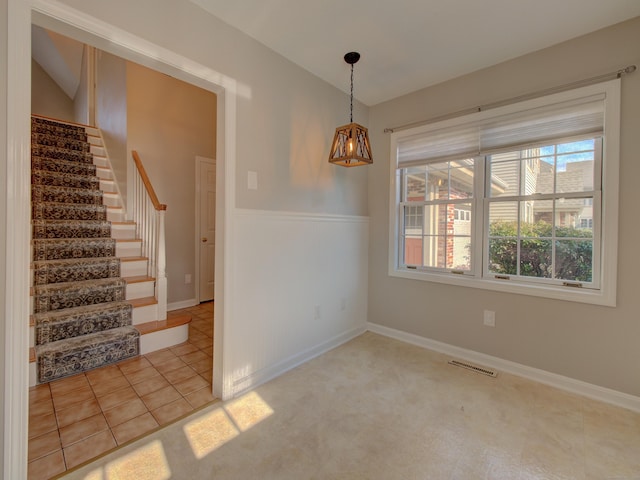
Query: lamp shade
350, 146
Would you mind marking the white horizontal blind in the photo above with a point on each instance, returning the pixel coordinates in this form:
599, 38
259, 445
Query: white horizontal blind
491, 131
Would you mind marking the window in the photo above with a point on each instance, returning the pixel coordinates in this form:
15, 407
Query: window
513, 198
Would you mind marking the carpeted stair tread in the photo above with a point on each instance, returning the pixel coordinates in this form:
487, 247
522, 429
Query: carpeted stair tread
62, 248
75, 355
57, 296
62, 166
68, 211
53, 194
75, 270
59, 142
44, 177
70, 228
73, 322
61, 154
60, 131
55, 123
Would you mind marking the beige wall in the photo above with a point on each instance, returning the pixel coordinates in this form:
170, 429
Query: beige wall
111, 112
3, 217
81, 100
599, 345
286, 117
47, 98
169, 123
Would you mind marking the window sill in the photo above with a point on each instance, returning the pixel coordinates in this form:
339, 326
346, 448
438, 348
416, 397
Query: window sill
604, 297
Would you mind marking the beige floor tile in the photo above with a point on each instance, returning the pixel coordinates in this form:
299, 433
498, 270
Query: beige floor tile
190, 385
116, 382
72, 397
143, 374
171, 411
161, 356
46, 467
202, 365
180, 374
40, 392
200, 397
133, 365
160, 397
151, 385
125, 411
116, 398
169, 365
183, 349
194, 357
88, 448
69, 384
208, 376
41, 424
41, 407
77, 412
203, 343
103, 374
134, 428
82, 429
43, 445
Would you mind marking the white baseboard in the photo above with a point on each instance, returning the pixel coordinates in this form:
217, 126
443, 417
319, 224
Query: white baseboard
579, 387
254, 379
182, 304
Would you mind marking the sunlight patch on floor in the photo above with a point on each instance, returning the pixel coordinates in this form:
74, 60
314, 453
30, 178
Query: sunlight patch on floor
217, 427
145, 463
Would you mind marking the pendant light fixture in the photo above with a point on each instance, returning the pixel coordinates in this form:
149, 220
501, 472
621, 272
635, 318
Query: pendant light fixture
351, 146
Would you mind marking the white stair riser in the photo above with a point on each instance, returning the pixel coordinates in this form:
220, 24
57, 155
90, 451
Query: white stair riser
129, 249
123, 231
100, 161
93, 140
140, 290
110, 199
133, 268
163, 339
97, 150
107, 186
103, 173
92, 131
115, 215
148, 313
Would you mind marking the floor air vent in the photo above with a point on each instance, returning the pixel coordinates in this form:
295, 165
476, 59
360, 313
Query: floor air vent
475, 368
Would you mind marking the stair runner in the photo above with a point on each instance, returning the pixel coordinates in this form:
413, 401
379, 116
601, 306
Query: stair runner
80, 316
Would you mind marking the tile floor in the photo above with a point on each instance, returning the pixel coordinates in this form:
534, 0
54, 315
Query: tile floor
78, 418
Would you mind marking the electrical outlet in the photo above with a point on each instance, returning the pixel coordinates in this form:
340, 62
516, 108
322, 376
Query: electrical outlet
343, 304
490, 318
252, 180
316, 312
187, 279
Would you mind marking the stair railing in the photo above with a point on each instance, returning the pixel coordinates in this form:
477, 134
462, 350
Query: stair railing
148, 214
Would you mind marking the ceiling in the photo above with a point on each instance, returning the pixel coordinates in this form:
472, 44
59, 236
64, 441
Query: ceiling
411, 44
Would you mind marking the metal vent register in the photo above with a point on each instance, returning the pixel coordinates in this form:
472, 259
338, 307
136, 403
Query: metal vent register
475, 368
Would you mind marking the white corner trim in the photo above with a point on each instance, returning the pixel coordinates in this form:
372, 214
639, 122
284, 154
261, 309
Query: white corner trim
251, 381
561, 382
181, 304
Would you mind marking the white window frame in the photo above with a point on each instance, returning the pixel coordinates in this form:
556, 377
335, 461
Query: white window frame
605, 293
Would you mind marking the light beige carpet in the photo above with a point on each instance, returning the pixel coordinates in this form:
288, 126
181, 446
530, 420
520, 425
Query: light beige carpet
376, 408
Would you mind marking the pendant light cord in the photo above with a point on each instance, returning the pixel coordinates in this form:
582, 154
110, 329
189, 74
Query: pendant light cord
351, 105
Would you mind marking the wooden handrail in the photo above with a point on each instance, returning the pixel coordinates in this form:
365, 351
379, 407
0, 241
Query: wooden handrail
147, 183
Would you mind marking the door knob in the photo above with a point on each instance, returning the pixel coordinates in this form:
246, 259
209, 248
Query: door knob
204, 239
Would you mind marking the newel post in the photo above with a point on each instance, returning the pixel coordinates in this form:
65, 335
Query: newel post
161, 264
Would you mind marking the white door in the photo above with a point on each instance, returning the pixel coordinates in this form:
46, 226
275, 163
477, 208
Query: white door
206, 225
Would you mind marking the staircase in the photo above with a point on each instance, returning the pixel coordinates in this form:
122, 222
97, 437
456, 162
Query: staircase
92, 296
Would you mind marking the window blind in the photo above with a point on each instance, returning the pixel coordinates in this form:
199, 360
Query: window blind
495, 130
